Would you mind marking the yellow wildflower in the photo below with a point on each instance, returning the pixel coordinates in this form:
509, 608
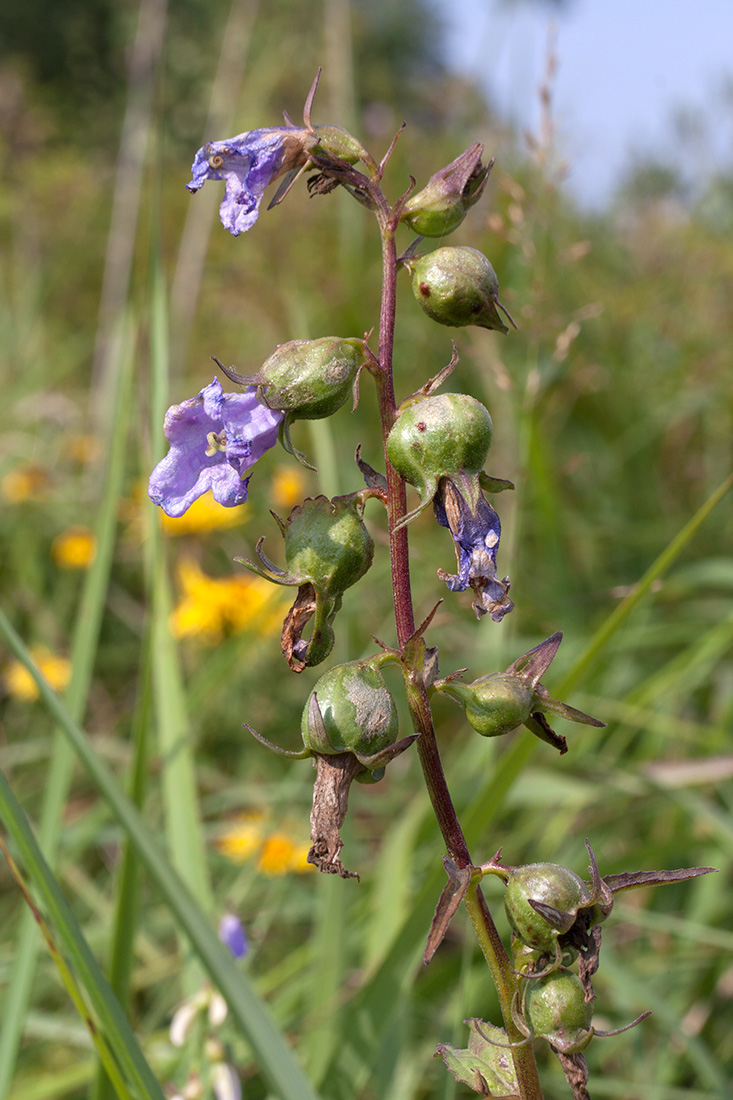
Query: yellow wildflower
20, 684
282, 853
277, 853
212, 607
287, 487
83, 448
240, 842
205, 514
26, 482
74, 548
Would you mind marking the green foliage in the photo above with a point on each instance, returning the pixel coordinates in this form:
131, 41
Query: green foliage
611, 411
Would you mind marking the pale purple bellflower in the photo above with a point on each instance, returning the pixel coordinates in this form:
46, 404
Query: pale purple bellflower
215, 439
247, 163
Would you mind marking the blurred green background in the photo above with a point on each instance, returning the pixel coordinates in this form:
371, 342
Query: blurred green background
612, 415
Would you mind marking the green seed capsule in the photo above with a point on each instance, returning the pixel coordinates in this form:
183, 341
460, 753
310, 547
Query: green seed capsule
554, 1008
457, 286
439, 436
443, 203
333, 141
327, 543
495, 704
357, 712
551, 885
310, 379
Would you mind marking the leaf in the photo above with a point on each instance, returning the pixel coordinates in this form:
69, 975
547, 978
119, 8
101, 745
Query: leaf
454, 891
487, 1065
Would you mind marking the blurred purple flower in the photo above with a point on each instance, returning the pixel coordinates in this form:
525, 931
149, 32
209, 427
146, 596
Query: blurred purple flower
247, 163
215, 438
233, 936
476, 531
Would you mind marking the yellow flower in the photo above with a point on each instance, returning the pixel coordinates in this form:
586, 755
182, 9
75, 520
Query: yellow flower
83, 448
282, 853
240, 842
74, 548
211, 607
20, 684
278, 852
287, 487
205, 514
26, 482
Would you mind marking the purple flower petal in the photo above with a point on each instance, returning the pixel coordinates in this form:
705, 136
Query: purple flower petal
233, 936
215, 438
476, 535
248, 163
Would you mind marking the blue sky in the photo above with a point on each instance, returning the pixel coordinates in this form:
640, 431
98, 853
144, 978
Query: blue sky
625, 67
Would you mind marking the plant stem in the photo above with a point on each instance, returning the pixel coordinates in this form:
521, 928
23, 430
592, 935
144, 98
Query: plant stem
396, 492
492, 947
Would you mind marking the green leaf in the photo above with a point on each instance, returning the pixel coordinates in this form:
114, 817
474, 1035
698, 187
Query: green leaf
486, 1065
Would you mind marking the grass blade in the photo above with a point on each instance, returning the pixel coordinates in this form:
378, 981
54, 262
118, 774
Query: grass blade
84, 648
116, 1031
274, 1056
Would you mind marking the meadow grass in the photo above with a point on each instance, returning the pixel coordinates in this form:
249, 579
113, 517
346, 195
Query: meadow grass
612, 415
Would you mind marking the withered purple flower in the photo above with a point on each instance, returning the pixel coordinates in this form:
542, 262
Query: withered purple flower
215, 439
476, 531
248, 163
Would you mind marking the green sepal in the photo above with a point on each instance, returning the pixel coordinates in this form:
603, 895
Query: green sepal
288, 445
494, 484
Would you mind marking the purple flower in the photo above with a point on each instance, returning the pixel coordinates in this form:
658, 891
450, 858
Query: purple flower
233, 936
248, 163
476, 531
215, 438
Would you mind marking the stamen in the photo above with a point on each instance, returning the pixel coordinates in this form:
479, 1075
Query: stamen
217, 442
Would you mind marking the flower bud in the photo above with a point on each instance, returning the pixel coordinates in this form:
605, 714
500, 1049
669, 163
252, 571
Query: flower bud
495, 704
498, 703
551, 885
439, 436
554, 1008
457, 287
444, 202
354, 712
